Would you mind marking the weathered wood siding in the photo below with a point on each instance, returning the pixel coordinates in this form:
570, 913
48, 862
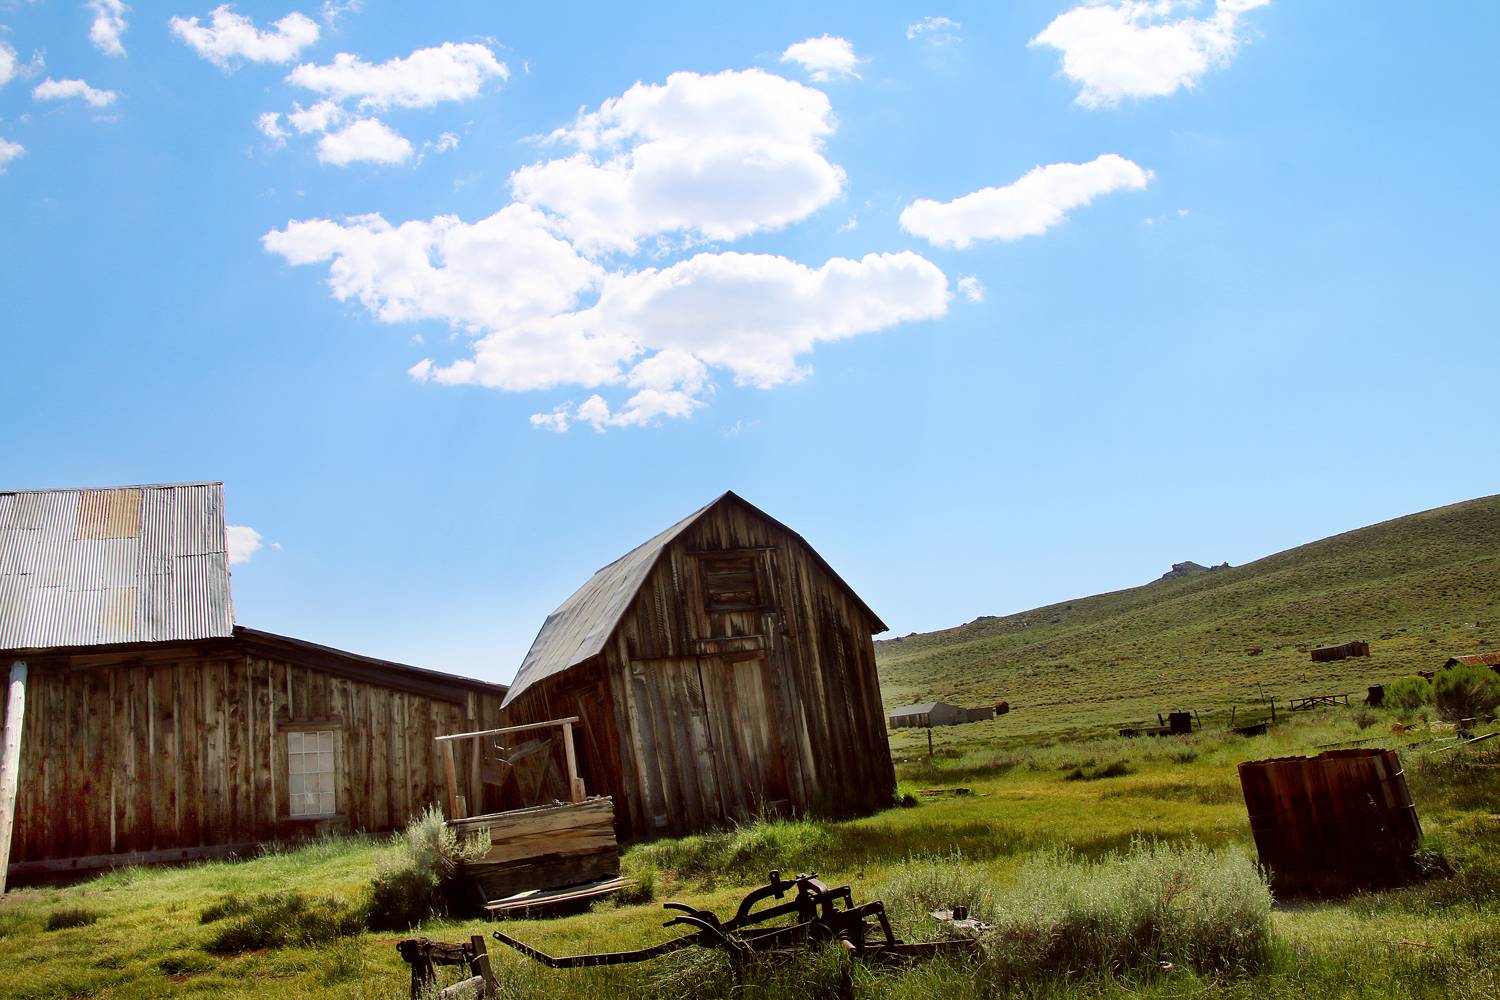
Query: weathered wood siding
182, 746
719, 714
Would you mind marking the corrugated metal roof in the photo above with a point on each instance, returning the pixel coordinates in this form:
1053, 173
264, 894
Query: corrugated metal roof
583, 624
915, 709
125, 564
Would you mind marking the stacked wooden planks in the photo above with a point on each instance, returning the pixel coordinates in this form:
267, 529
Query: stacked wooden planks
545, 847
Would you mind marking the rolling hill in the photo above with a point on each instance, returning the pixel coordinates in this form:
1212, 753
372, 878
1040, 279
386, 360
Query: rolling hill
1418, 588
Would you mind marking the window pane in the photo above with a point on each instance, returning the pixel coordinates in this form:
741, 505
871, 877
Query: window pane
296, 763
293, 742
295, 783
325, 741
325, 761
325, 781
325, 802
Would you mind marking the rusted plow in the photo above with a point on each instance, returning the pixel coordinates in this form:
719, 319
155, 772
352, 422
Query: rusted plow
816, 914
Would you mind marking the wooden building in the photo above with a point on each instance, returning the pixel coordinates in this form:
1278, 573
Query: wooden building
154, 729
937, 713
721, 670
1474, 660
1341, 651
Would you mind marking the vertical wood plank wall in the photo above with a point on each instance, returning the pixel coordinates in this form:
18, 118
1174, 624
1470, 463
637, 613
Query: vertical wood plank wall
178, 747
819, 714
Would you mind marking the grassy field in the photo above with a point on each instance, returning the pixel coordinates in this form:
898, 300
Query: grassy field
1111, 867
1418, 588
997, 847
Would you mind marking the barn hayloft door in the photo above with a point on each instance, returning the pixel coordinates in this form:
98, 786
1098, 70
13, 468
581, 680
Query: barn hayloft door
739, 700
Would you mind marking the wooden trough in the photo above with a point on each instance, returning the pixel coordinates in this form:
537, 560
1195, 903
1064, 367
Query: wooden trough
1331, 824
543, 855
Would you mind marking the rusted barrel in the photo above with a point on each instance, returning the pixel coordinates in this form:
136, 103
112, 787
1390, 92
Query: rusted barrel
1331, 824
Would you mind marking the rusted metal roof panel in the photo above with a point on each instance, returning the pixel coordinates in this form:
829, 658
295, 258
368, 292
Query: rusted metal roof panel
98, 567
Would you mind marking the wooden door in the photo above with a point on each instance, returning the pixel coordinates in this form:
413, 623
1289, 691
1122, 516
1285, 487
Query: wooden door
740, 701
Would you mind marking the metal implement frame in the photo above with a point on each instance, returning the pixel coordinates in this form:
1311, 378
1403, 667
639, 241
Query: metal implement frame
817, 917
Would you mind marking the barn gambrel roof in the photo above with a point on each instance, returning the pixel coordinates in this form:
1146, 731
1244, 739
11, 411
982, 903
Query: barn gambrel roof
117, 565
580, 628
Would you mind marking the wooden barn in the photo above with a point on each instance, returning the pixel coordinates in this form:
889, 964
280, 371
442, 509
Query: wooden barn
721, 670
151, 728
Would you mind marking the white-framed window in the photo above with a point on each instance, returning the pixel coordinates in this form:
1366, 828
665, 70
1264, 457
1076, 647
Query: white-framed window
311, 757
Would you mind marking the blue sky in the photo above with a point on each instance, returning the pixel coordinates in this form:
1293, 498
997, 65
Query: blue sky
997, 304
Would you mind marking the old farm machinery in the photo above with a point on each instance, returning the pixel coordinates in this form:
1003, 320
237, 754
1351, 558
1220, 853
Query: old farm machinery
815, 914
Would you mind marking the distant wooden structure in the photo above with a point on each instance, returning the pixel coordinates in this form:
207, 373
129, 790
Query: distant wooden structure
1175, 724
152, 729
1474, 660
927, 715
1315, 700
1341, 651
1331, 824
720, 671
938, 713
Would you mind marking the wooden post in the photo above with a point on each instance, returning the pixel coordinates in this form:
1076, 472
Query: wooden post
10, 762
1273, 709
451, 773
575, 783
929, 742
480, 965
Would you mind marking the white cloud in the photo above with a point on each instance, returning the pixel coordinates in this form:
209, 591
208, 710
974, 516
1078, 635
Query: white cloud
321, 117
503, 272
656, 332
446, 142
714, 157
7, 63
230, 37
335, 9
367, 140
705, 157
64, 90
1119, 49
449, 72
108, 26
270, 125
971, 288
9, 151
244, 542
1029, 207
934, 30
825, 58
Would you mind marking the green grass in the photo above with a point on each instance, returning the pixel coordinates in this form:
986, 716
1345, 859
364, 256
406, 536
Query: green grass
1040, 855
1419, 588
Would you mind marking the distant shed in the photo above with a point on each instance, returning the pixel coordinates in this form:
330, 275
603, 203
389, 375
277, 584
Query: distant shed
1474, 660
937, 713
720, 670
1341, 651
154, 729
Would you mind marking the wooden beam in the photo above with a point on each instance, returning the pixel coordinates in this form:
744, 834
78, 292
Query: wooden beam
575, 783
451, 774
507, 729
31, 871
10, 761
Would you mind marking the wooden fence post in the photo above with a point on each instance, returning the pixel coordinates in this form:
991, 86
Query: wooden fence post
10, 762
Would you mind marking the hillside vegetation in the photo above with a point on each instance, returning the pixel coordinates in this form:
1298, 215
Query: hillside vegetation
1418, 588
